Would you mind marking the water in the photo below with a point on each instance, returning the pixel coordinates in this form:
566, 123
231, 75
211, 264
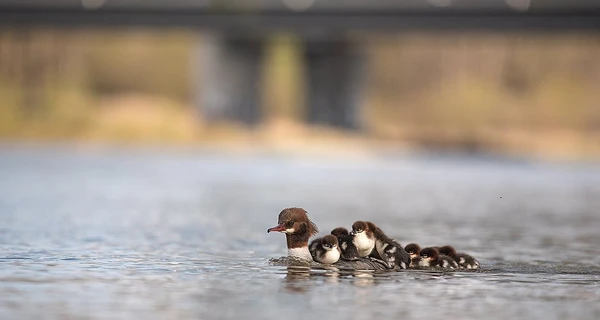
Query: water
115, 233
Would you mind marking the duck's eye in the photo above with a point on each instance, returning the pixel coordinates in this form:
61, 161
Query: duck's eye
424, 256
289, 224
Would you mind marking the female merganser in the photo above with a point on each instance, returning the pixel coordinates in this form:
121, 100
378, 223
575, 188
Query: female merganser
414, 250
371, 241
298, 229
463, 260
325, 250
346, 243
430, 257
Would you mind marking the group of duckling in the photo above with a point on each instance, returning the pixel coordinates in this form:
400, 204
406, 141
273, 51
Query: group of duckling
366, 240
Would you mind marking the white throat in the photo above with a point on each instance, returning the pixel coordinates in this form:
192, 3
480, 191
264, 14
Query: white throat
330, 256
300, 253
425, 262
364, 244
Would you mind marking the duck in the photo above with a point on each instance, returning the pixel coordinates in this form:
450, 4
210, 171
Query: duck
463, 260
372, 242
346, 243
431, 257
414, 251
325, 250
298, 228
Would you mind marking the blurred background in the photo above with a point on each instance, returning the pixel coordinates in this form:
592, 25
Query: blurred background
296, 78
146, 146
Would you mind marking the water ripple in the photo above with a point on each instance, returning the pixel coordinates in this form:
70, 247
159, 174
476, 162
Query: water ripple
115, 234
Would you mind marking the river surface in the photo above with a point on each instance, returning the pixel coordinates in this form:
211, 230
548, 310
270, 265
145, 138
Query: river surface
151, 234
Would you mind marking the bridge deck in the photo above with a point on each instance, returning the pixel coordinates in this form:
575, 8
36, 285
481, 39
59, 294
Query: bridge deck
309, 15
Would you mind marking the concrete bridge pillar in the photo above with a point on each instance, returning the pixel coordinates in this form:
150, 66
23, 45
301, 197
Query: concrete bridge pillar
335, 76
231, 78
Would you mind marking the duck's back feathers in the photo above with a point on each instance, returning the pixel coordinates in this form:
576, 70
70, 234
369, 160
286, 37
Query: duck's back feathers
360, 264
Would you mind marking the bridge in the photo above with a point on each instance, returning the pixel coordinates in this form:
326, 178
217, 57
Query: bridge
334, 63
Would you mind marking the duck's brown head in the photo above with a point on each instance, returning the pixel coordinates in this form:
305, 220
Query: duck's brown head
448, 251
413, 250
359, 226
294, 222
329, 242
430, 254
341, 231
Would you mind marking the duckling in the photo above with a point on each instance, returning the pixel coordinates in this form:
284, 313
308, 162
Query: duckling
325, 250
372, 242
414, 250
346, 243
463, 260
430, 257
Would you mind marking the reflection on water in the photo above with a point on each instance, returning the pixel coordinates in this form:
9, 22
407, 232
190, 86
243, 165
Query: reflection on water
123, 234
301, 279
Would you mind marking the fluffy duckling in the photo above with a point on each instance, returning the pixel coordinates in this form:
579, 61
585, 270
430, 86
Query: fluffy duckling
325, 250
